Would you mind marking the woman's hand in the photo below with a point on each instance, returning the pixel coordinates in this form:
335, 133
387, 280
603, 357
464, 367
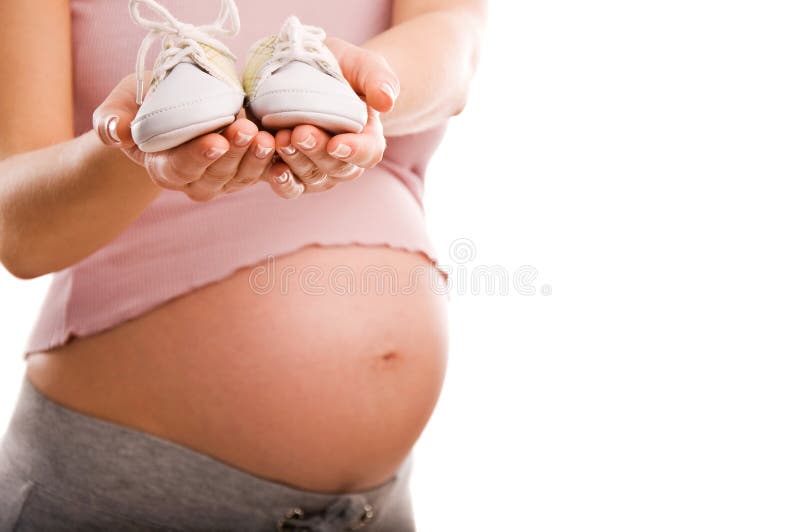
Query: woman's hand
203, 168
314, 161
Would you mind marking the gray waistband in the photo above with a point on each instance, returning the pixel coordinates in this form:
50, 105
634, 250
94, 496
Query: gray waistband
66, 450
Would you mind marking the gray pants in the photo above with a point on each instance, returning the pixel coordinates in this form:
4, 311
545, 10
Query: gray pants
63, 470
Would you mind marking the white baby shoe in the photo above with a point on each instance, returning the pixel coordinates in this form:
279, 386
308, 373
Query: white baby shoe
195, 88
292, 78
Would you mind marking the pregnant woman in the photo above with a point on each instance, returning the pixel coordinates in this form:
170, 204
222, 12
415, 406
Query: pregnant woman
227, 343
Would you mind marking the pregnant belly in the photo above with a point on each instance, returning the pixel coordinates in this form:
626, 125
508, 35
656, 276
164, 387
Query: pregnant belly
319, 370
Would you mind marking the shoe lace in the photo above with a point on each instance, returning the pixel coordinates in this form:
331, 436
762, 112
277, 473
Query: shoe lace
180, 40
297, 42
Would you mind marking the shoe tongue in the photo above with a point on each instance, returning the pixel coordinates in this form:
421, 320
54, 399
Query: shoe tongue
218, 64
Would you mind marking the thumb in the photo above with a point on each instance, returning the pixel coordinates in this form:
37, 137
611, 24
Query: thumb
368, 72
112, 119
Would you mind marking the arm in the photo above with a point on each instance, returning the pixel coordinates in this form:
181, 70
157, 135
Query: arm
60, 197
61, 203
433, 47
431, 51
63, 198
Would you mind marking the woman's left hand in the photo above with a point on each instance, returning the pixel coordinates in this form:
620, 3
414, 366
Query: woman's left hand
312, 160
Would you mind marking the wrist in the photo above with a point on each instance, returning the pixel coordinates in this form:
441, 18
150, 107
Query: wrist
110, 162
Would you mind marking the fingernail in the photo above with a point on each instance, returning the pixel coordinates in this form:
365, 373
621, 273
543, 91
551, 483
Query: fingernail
389, 91
263, 151
215, 153
283, 178
242, 139
308, 143
111, 128
289, 150
346, 171
341, 151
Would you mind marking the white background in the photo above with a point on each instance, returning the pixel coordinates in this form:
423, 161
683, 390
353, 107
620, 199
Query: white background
643, 157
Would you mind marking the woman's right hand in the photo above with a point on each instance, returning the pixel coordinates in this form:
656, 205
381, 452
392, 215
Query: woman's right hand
203, 168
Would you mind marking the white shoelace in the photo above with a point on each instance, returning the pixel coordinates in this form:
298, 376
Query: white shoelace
297, 42
181, 40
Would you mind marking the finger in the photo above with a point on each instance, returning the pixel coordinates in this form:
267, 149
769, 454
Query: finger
363, 149
254, 163
176, 168
112, 119
239, 136
368, 72
283, 182
301, 166
312, 142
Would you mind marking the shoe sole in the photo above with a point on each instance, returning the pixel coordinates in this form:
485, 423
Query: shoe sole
335, 124
176, 137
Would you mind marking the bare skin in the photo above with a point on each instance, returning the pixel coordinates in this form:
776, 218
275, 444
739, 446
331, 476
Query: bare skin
324, 392
278, 384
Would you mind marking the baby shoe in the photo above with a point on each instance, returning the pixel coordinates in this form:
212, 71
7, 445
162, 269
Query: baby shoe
195, 88
292, 78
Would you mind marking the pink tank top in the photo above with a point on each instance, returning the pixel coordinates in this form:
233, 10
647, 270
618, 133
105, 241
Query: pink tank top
176, 244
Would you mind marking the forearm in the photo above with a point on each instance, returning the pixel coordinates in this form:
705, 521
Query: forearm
61, 203
434, 55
